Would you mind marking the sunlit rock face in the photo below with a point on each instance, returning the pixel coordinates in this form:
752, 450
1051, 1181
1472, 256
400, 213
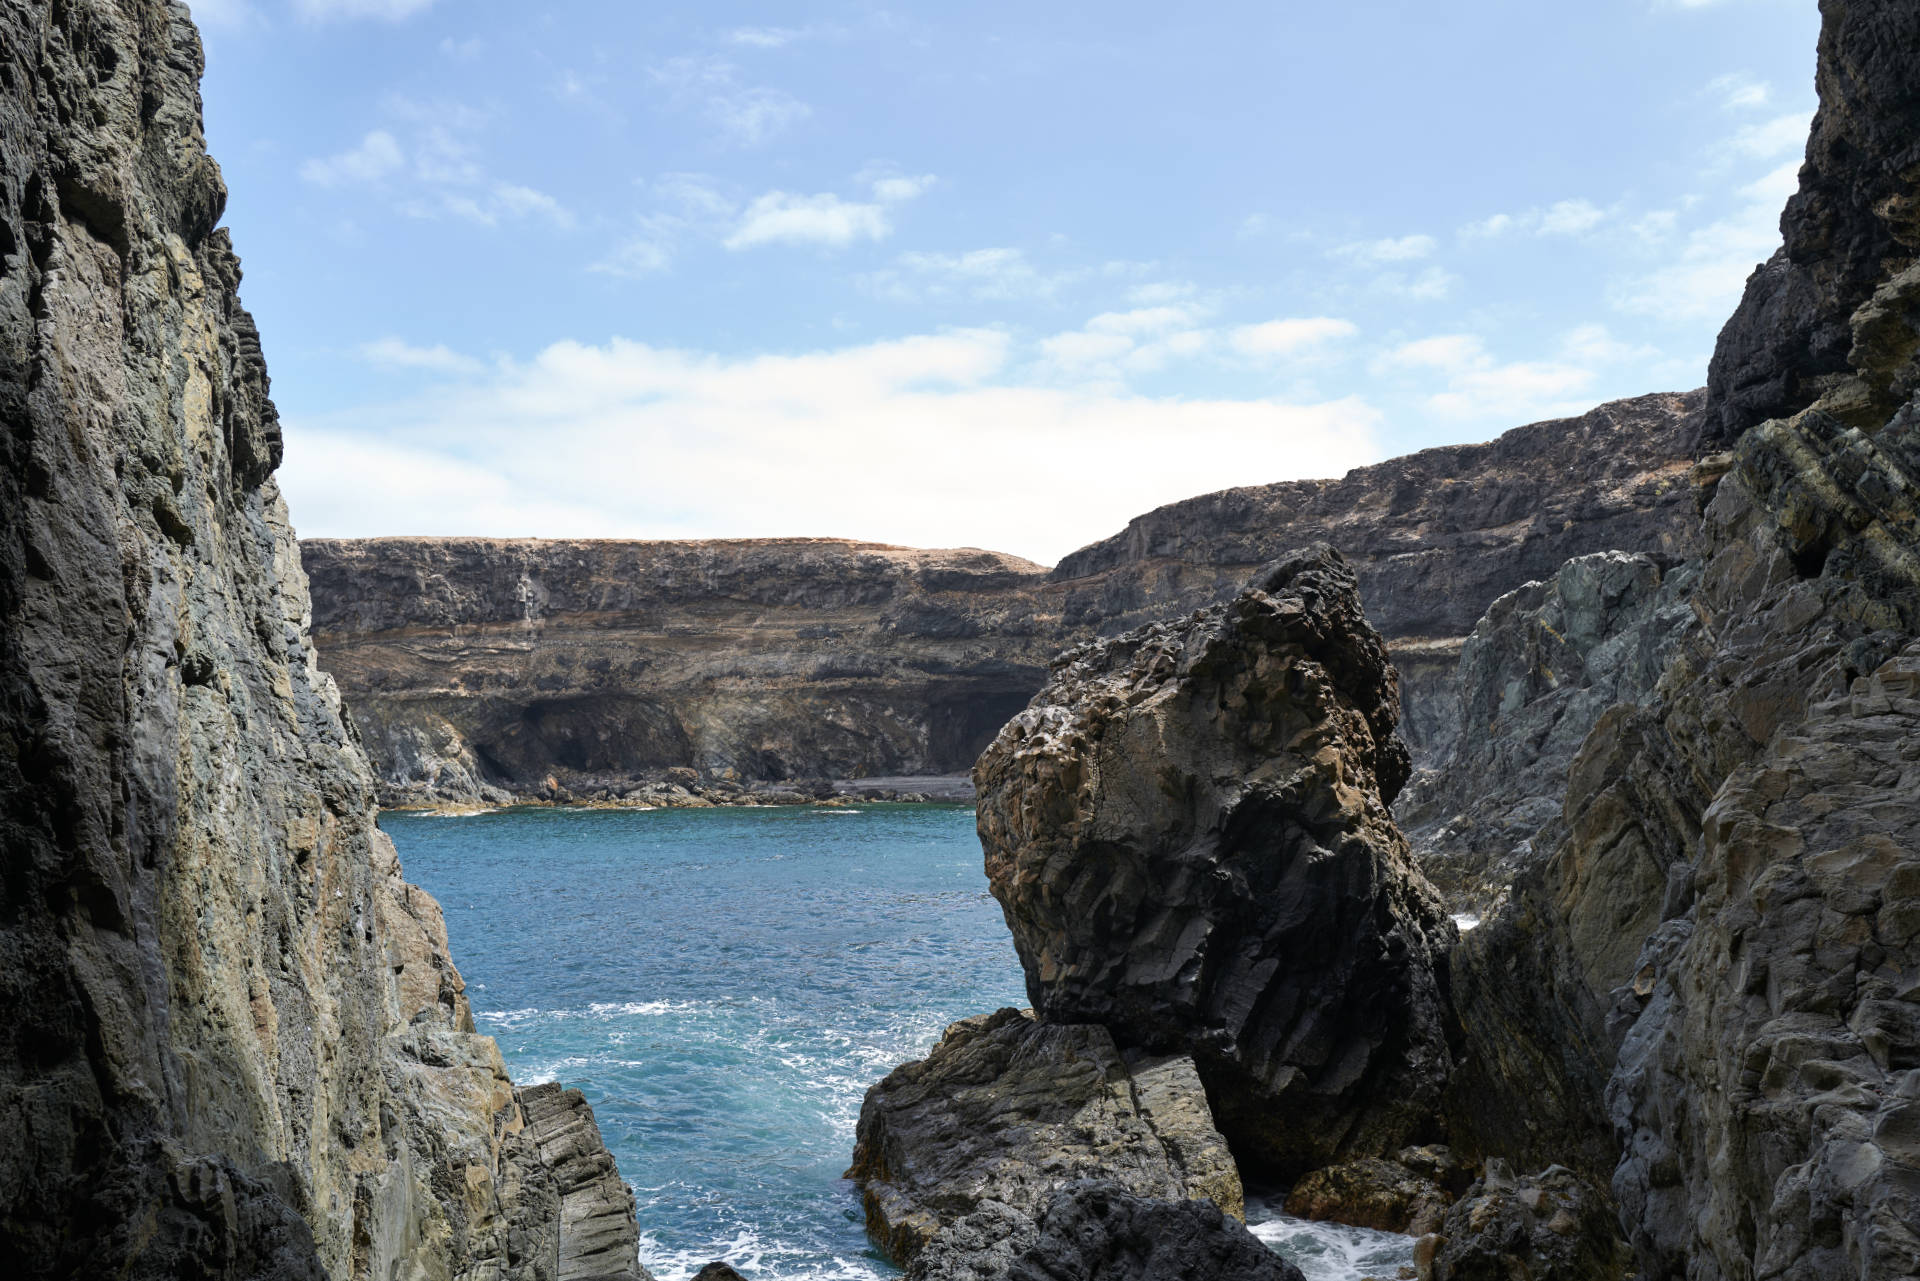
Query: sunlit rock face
1188, 833
234, 1045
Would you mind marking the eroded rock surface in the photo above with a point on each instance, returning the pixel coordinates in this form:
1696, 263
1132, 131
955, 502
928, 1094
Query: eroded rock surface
1008, 1110
1188, 833
234, 1044
1551, 1226
1538, 672
1094, 1231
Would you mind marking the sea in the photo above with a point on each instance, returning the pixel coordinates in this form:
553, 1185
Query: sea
724, 985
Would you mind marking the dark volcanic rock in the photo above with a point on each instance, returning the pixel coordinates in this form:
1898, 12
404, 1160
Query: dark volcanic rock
1373, 1192
234, 1044
1809, 320
1007, 1110
1551, 1226
1093, 1231
1188, 834
1533, 679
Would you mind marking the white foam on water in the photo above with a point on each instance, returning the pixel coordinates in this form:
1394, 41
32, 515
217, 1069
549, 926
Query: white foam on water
464, 813
1466, 920
1330, 1251
750, 1255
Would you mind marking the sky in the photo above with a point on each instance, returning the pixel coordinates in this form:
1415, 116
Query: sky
999, 274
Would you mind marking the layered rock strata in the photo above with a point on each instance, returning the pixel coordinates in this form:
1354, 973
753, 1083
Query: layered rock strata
235, 1043
480, 669
1007, 1110
1187, 831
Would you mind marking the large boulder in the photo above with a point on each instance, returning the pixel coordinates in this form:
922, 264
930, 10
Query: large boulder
1552, 1226
1188, 832
1008, 1110
1094, 1231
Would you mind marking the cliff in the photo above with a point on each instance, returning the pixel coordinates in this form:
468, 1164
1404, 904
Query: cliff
235, 1043
473, 663
485, 667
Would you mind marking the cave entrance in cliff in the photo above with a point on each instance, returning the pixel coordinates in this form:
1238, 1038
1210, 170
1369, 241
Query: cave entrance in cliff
959, 728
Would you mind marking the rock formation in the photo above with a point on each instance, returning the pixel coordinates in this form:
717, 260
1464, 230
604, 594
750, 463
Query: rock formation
1093, 1231
1538, 672
487, 663
235, 1045
1552, 1226
1713, 971
480, 668
1188, 833
1007, 1110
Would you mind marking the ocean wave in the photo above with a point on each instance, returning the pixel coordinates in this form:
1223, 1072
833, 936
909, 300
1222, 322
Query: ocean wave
1329, 1251
748, 1253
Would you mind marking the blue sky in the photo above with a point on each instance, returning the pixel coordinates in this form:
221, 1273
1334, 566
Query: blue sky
998, 275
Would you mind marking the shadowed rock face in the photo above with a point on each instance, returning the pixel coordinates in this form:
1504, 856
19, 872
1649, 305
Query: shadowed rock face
234, 1043
1187, 831
1094, 1231
474, 664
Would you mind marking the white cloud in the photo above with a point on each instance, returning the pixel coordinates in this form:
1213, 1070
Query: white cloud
1283, 338
641, 255
501, 202
1739, 92
1379, 252
223, 13
763, 37
1704, 281
397, 353
1562, 218
377, 156
1477, 386
1430, 285
748, 114
1775, 137
386, 10
921, 441
781, 217
997, 273
893, 190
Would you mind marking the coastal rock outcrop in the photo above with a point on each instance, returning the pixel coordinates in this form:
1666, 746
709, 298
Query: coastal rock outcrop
1187, 831
235, 1043
478, 668
1538, 672
1008, 1110
1094, 1231
1714, 968
1551, 1226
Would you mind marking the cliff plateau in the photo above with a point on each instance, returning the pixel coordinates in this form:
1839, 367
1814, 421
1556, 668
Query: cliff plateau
235, 1044
483, 668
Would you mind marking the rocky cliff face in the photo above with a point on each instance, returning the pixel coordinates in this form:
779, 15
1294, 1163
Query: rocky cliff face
1188, 833
1433, 538
477, 663
235, 1045
482, 667
1715, 965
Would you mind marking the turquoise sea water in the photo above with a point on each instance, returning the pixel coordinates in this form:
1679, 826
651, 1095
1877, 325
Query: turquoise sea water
724, 985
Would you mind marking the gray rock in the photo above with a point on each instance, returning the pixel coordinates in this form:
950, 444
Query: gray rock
1188, 833
1533, 679
235, 1044
1094, 1231
1551, 1226
1008, 1110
